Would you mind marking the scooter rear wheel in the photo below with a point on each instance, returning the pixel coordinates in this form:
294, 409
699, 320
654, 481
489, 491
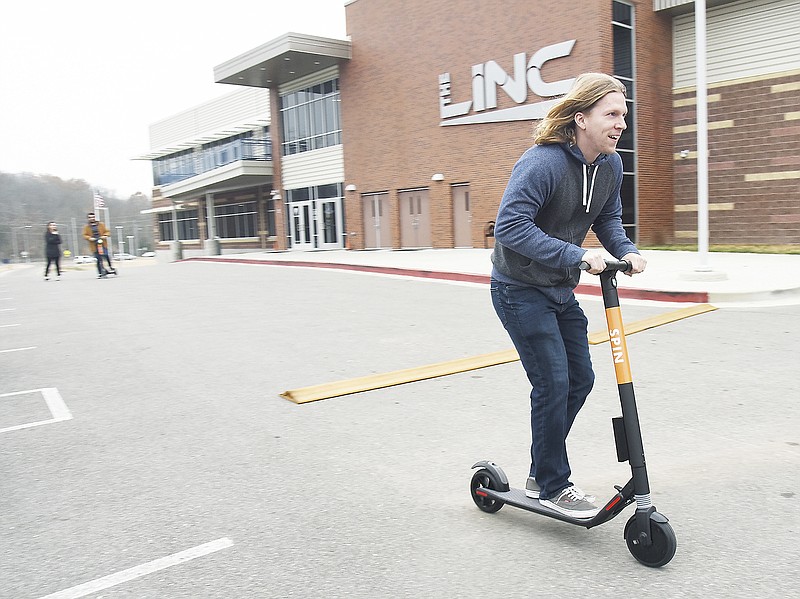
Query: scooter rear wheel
483, 478
660, 551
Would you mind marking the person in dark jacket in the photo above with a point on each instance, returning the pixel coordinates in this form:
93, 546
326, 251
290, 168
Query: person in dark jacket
52, 249
567, 183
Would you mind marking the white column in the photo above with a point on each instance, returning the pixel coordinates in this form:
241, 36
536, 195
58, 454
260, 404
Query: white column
212, 245
702, 135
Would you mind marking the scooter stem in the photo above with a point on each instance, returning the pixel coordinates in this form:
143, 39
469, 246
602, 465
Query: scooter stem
619, 354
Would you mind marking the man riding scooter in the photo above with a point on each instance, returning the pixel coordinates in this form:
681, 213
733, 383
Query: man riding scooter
96, 233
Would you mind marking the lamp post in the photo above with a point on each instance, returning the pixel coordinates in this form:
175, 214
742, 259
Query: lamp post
76, 249
702, 135
25, 242
703, 270
14, 246
136, 243
119, 236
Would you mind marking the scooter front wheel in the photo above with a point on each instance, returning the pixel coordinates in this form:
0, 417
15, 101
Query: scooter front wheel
660, 551
484, 479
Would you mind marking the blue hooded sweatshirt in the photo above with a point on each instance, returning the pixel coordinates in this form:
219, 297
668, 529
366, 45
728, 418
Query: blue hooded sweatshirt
552, 199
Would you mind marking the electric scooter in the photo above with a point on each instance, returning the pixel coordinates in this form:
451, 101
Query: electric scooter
102, 250
648, 534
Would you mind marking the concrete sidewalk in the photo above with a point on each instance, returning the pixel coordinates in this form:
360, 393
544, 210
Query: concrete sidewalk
675, 276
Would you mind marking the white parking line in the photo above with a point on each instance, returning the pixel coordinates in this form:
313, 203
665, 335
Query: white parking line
6, 309
58, 408
55, 403
5, 351
2, 326
111, 580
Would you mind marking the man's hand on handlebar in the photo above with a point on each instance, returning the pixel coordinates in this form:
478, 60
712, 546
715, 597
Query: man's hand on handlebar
637, 261
594, 263
595, 260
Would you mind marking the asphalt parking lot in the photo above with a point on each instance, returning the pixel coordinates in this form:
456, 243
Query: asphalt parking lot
146, 452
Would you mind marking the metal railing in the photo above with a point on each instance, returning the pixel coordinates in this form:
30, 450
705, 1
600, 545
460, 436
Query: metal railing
209, 159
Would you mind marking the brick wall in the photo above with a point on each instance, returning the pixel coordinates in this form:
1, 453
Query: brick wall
754, 161
655, 191
276, 135
390, 103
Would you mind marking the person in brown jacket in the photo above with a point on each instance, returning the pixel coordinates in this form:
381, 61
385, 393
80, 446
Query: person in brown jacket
96, 233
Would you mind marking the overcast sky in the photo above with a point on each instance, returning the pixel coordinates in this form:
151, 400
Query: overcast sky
82, 81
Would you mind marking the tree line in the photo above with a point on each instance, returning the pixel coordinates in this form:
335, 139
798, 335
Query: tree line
29, 201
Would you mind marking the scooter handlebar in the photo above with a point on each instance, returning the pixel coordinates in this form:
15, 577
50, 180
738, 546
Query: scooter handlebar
619, 265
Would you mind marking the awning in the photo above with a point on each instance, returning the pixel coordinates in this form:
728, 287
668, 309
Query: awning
161, 209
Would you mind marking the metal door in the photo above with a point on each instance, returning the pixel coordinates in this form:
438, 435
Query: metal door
415, 219
462, 217
375, 210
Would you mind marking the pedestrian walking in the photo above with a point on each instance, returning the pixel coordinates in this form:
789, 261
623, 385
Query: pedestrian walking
52, 250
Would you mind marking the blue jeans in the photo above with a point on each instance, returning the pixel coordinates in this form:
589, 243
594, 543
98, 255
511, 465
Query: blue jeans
100, 257
553, 346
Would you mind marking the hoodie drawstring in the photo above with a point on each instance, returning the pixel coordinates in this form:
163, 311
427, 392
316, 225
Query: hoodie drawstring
587, 197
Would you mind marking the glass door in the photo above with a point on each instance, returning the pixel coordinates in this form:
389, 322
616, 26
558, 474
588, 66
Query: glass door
302, 224
329, 222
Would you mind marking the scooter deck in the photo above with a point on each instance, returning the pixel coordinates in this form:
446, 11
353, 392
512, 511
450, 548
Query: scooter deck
517, 498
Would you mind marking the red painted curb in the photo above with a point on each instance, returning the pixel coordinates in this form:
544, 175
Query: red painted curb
695, 297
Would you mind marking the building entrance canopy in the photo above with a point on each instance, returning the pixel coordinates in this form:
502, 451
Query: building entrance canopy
287, 58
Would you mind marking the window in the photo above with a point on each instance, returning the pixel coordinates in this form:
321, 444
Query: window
310, 118
332, 191
250, 145
173, 168
236, 220
623, 22
187, 225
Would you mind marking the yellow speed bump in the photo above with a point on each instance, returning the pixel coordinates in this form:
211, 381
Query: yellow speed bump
654, 321
409, 375
398, 377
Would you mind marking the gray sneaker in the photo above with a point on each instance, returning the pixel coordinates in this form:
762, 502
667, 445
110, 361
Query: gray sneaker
571, 503
532, 490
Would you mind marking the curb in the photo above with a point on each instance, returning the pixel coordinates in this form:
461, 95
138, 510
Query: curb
773, 296
694, 297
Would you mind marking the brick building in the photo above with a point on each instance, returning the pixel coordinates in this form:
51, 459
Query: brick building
403, 135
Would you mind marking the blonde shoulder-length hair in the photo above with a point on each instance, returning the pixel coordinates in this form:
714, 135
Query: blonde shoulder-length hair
559, 124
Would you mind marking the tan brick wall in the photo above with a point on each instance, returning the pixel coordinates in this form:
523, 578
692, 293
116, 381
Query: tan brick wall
275, 132
754, 162
654, 166
390, 107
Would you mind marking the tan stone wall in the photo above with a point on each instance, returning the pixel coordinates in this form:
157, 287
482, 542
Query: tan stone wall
754, 161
